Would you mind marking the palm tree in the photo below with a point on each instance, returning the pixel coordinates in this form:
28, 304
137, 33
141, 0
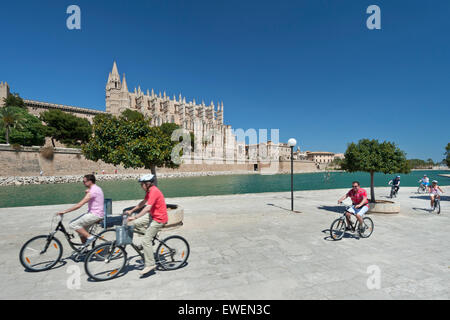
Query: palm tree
10, 118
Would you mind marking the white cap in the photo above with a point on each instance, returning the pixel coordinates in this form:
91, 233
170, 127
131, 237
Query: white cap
147, 178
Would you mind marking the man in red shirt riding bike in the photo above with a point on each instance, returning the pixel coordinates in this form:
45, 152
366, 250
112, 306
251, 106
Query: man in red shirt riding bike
153, 217
360, 203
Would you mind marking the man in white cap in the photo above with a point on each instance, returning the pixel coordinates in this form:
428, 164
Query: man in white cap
151, 218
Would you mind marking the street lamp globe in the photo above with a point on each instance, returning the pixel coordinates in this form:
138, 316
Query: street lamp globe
292, 142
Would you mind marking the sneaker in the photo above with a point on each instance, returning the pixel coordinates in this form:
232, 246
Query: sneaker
362, 229
147, 270
88, 242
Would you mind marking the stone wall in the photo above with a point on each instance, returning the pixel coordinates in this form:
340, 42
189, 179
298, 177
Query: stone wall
29, 161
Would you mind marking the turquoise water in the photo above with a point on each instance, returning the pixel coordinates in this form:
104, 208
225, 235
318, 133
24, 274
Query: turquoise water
32, 195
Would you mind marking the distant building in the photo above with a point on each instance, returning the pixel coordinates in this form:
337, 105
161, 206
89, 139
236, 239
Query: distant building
320, 157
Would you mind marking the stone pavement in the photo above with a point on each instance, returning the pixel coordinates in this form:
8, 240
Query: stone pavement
252, 247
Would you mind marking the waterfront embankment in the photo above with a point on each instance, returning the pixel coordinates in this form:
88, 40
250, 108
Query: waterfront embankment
20, 181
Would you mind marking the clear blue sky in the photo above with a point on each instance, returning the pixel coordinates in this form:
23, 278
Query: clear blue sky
308, 67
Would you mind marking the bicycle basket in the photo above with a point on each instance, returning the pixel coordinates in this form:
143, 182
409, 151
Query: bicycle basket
124, 235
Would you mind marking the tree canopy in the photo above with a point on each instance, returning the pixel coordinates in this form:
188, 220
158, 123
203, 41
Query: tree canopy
10, 118
420, 164
372, 156
447, 155
133, 144
27, 131
70, 130
132, 115
14, 100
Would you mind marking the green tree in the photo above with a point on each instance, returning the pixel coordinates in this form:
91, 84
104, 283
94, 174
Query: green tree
31, 131
132, 115
168, 128
14, 100
447, 155
372, 156
70, 130
133, 144
10, 118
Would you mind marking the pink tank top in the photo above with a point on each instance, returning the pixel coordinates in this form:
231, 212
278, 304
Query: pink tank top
96, 202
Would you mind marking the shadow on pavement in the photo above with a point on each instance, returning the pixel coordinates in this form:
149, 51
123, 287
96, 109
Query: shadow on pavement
60, 264
337, 209
422, 209
347, 235
274, 205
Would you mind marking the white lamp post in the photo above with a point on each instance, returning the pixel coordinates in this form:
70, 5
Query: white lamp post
291, 143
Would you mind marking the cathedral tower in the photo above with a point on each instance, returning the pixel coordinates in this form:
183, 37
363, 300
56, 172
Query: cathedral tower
4, 92
117, 95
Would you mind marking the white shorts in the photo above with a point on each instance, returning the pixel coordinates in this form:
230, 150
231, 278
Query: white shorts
84, 221
360, 212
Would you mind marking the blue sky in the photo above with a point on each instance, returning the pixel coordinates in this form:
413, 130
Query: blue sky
309, 68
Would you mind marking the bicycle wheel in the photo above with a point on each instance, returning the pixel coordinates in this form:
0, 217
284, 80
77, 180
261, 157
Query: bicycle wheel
337, 229
108, 235
172, 252
437, 206
105, 262
40, 253
368, 228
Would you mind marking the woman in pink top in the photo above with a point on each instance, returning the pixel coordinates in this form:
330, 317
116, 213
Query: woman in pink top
434, 192
95, 200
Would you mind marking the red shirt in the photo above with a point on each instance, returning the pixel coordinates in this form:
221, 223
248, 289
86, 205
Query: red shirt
357, 196
158, 211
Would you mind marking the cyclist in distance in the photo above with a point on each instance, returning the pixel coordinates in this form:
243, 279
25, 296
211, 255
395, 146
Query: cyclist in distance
395, 183
434, 192
425, 181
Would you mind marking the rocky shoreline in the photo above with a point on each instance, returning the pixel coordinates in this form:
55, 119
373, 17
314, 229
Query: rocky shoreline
20, 181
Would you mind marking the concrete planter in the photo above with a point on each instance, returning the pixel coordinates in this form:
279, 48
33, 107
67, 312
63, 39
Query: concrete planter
384, 206
175, 214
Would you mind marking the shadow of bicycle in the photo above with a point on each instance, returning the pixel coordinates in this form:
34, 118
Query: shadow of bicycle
286, 209
347, 235
427, 197
338, 209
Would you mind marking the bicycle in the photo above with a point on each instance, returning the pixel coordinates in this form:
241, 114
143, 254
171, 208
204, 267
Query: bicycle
43, 252
436, 205
422, 188
106, 261
394, 191
341, 225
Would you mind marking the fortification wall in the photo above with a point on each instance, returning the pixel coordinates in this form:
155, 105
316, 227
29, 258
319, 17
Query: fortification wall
29, 161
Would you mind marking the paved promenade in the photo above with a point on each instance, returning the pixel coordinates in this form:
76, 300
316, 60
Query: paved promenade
252, 247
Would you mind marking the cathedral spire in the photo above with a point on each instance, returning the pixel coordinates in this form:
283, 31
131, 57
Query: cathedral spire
115, 71
124, 84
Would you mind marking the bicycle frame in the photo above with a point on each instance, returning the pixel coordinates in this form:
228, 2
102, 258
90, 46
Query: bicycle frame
60, 227
138, 251
344, 217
